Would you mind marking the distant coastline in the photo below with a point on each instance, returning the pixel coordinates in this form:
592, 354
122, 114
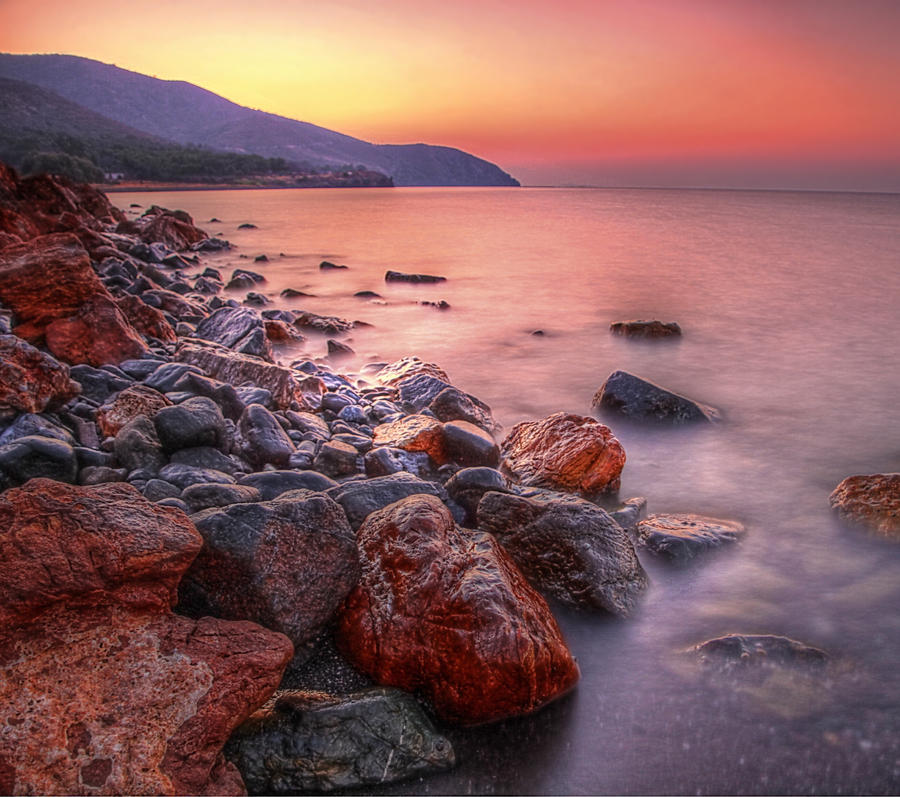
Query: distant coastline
147, 186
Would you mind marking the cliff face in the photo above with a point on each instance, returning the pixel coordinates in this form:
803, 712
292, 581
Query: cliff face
187, 114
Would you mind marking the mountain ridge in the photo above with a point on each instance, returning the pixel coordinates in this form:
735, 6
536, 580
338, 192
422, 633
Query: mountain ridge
188, 114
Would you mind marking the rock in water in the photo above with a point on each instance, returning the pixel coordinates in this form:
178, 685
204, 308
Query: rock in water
399, 276
564, 452
683, 536
872, 501
568, 548
311, 741
758, 649
444, 611
645, 329
629, 395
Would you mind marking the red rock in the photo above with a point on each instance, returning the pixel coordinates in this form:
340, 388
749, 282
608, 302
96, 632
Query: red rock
174, 232
146, 320
443, 611
645, 329
564, 452
872, 501
394, 373
280, 332
414, 433
31, 381
127, 405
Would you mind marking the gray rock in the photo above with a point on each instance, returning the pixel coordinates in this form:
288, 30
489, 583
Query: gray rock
384, 460
195, 422
684, 536
203, 496
451, 404
137, 445
157, 489
468, 486
419, 391
360, 498
337, 458
184, 475
140, 369
100, 474
207, 457
227, 397
96, 383
631, 511
359, 442
28, 424
629, 395
338, 349
32, 456
568, 548
166, 377
470, 446
749, 650
272, 483
252, 394
263, 441
234, 328
311, 741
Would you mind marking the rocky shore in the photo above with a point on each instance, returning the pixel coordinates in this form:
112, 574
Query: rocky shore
220, 570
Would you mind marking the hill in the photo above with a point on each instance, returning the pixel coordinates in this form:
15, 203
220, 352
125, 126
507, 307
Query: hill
187, 114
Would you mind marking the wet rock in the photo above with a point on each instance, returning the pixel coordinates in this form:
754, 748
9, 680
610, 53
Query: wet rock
31, 381
758, 649
451, 404
564, 452
180, 308
629, 395
167, 376
353, 414
360, 498
263, 441
645, 329
96, 384
177, 233
568, 548
34, 424
278, 331
101, 474
327, 324
326, 742
384, 460
229, 400
234, 328
292, 293
468, 486
630, 512
273, 483
872, 501
336, 458
137, 445
414, 433
393, 373
157, 489
140, 369
208, 457
399, 276
247, 226
204, 496
184, 476
325, 265
469, 446
32, 456
148, 321
443, 611
367, 295
127, 405
416, 392
295, 560
195, 422
684, 536
338, 349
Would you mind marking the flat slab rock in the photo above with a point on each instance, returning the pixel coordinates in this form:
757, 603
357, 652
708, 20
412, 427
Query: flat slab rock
683, 536
444, 611
872, 501
312, 741
645, 329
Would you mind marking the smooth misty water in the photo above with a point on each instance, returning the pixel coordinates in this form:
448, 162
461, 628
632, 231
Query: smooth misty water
789, 305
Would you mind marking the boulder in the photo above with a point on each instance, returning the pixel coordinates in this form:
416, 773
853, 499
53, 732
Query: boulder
208, 457
127, 405
564, 452
336, 458
294, 559
384, 460
234, 328
754, 650
184, 476
468, 486
361, 498
399, 276
684, 536
285, 384
645, 329
228, 399
443, 611
394, 373
175, 232
629, 395
451, 404
417, 392
137, 445
202, 496
34, 424
326, 742
195, 422
280, 332
872, 501
468, 445
148, 321
263, 441
272, 483
31, 381
32, 456
414, 433
568, 548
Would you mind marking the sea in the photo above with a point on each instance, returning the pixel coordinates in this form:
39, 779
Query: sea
790, 309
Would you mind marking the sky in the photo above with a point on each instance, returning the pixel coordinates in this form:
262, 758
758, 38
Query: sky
723, 93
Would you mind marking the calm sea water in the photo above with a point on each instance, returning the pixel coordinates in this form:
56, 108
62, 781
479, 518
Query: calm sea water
790, 306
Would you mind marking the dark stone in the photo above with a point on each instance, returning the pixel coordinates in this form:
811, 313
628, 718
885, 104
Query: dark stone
337, 458
140, 369
629, 395
29, 424
469, 446
261, 259
294, 559
335, 402
419, 391
327, 742
137, 445
203, 496
207, 286
399, 276
264, 442
166, 377
326, 266
338, 349
207, 457
247, 226
195, 422
32, 456
451, 404
360, 442
754, 650
227, 397
645, 329
96, 383
327, 324
101, 474
353, 413
231, 327
157, 489
272, 483
256, 343
468, 486
384, 460
367, 295
256, 299
360, 498
568, 548
681, 536
291, 293
184, 475
175, 503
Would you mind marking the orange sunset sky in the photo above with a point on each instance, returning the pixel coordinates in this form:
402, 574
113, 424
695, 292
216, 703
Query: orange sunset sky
757, 93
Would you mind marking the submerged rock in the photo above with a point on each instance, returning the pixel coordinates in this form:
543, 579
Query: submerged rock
747, 650
569, 548
872, 501
683, 536
645, 329
629, 395
399, 276
443, 611
312, 741
564, 452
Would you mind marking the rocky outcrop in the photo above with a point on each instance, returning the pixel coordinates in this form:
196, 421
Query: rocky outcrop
629, 395
684, 536
871, 501
30, 380
312, 741
564, 452
645, 329
443, 611
568, 548
111, 692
